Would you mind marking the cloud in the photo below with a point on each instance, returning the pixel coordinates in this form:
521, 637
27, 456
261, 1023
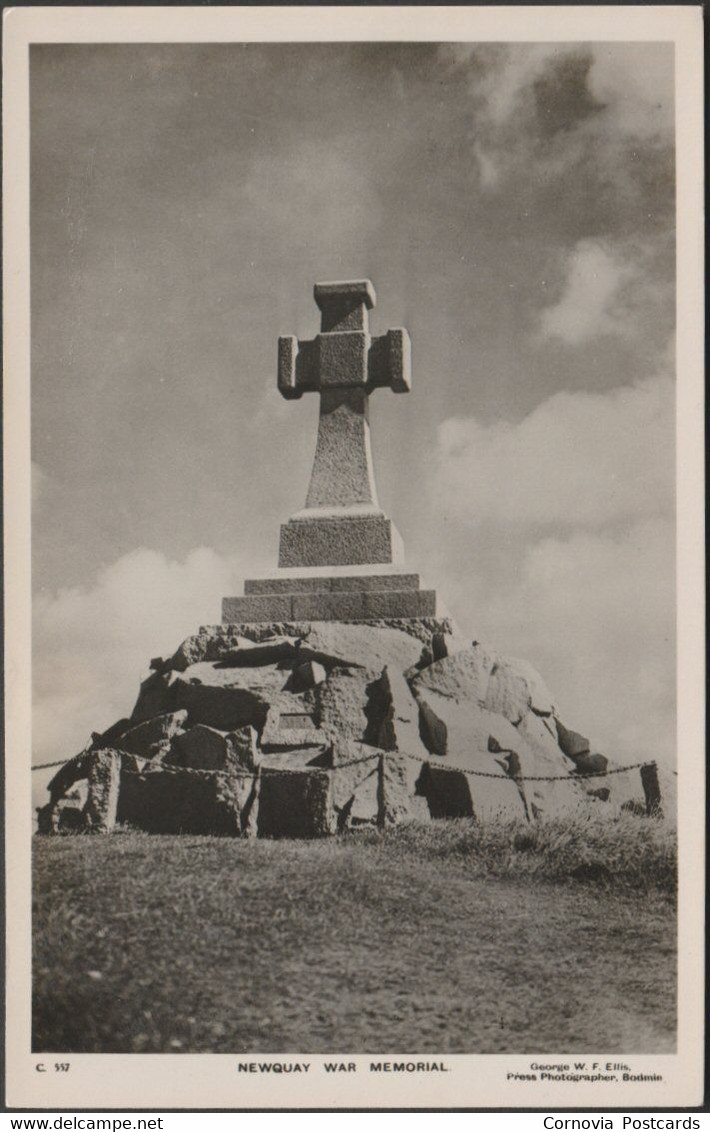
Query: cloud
92, 646
591, 302
594, 612
563, 103
634, 83
629, 85
40, 483
579, 459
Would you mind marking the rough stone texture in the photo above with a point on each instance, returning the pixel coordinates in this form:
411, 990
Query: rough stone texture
296, 758
590, 763
257, 607
306, 675
295, 803
225, 708
447, 792
514, 687
154, 698
543, 757
451, 728
342, 701
332, 583
343, 365
108, 738
148, 738
102, 798
371, 647
217, 642
397, 802
393, 715
73, 770
356, 794
265, 677
450, 792
64, 816
244, 745
571, 743
339, 539
355, 785
285, 729
180, 800
300, 695
462, 676
203, 748
342, 474
668, 786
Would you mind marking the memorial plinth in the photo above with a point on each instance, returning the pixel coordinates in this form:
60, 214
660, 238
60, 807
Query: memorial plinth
341, 557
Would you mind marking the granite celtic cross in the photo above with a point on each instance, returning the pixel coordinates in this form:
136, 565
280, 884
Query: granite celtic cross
344, 364
340, 557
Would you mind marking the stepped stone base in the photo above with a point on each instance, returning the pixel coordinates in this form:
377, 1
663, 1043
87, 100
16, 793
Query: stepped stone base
341, 537
330, 583
363, 605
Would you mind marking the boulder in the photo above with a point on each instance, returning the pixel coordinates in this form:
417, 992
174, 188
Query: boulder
206, 748
295, 758
222, 707
494, 782
590, 763
264, 680
356, 792
393, 641
295, 803
151, 736
108, 737
393, 715
543, 758
361, 645
572, 744
244, 745
104, 776
182, 800
341, 702
155, 697
668, 787
453, 728
354, 778
514, 689
397, 801
212, 642
291, 724
447, 792
306, 675
64, 816
462, 677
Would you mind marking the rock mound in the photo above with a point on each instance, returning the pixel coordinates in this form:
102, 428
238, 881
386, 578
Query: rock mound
305, 728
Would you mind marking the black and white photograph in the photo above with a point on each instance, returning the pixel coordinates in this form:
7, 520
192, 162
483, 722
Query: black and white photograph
357, 729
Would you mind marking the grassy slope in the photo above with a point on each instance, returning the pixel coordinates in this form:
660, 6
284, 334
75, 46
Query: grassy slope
442, 938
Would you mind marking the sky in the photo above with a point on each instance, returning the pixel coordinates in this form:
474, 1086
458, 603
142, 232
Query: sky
513, 205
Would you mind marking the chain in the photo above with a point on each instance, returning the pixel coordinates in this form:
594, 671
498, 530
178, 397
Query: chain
407, 755
532, 777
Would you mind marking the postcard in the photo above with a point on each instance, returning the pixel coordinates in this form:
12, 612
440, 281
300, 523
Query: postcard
354, 747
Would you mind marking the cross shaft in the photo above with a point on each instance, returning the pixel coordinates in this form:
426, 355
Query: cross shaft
344, 364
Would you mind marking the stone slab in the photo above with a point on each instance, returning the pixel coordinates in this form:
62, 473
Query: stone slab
339, 539
328, 583
257, 607
363, 606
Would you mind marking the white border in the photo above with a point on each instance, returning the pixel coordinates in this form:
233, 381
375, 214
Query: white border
205, 1080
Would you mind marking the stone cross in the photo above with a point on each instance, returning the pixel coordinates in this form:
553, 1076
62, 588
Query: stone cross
344, 364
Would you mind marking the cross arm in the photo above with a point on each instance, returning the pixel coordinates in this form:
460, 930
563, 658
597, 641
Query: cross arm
298, 367
390, 361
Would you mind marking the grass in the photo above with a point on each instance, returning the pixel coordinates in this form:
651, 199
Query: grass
452, 937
